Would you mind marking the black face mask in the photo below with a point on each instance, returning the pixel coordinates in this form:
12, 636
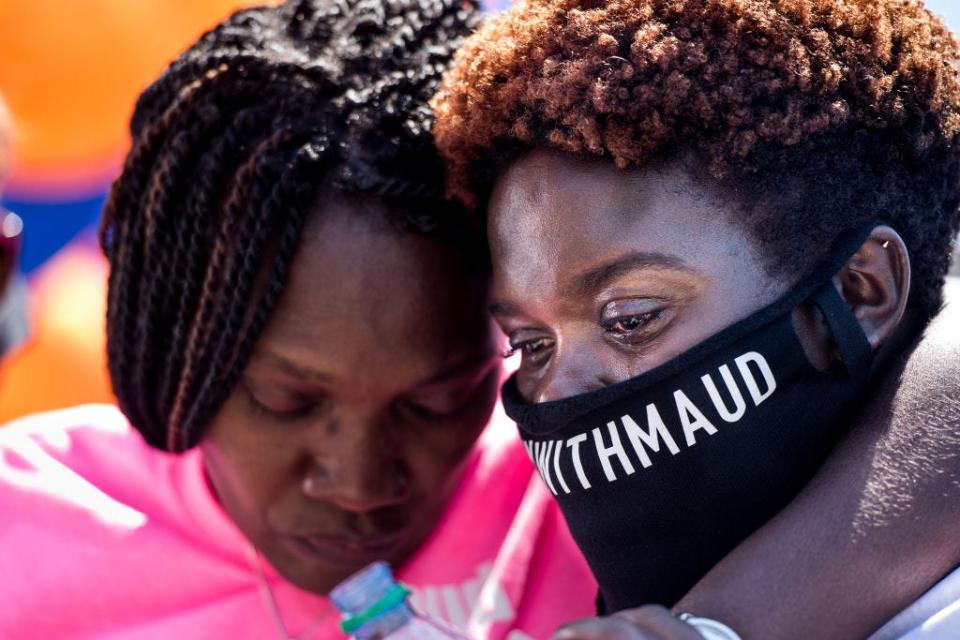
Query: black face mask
662, 475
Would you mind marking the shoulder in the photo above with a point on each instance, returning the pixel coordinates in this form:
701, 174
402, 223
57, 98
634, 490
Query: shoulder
82, 460
557, 583
60, 433
929, 387
79, 435
103, 529
502, 458
504, 547
105, 418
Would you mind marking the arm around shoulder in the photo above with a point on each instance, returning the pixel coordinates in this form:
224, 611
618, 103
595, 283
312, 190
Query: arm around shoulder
877, 526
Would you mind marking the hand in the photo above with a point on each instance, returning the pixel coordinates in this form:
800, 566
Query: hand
650, 622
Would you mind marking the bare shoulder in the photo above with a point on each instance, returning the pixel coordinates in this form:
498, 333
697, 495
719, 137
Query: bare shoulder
916, 412
930, 383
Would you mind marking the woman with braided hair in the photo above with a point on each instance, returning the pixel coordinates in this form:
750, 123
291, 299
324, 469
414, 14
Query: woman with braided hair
298, 342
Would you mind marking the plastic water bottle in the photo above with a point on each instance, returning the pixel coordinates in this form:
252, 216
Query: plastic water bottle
376, 607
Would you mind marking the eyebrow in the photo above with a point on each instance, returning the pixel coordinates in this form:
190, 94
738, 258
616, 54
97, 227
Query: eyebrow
600, 275
291, 368
502, 308
603, 274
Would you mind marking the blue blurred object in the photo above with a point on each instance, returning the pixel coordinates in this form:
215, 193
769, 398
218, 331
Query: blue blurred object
49, 226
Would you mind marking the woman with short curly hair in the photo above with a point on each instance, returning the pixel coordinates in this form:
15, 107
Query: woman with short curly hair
717, 227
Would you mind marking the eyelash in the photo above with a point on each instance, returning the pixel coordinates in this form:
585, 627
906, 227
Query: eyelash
284, 416
422, 413
514, 349
645, 319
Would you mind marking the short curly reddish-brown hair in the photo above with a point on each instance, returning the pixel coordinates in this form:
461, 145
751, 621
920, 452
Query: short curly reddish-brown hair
821, 113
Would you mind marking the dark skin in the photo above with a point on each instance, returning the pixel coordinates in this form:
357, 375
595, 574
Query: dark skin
602, 274
899, 499
353, 420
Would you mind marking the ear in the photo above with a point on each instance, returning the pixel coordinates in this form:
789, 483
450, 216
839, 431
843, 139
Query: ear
875, 282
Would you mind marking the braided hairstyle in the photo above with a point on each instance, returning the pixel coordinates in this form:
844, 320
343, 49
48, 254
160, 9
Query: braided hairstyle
232, 146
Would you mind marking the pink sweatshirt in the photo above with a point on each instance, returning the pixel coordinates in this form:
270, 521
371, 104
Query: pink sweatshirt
103, 537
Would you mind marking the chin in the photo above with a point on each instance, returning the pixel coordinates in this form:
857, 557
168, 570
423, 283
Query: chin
318, 566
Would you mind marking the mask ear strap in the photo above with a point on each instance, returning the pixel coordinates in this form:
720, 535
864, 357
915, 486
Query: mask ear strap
847, 333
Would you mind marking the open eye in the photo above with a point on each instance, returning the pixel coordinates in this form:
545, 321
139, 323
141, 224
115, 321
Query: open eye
534, 347
632, 319
528, 343
526, 347
627, 324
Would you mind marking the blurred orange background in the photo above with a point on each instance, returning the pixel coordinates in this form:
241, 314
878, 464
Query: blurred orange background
70, 73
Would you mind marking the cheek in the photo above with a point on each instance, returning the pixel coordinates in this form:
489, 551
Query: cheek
247, 467
724, 303
582, 360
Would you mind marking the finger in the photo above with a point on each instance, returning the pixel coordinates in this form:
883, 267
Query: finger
602, 629
660, 623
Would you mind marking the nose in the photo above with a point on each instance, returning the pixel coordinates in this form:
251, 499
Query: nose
358, 469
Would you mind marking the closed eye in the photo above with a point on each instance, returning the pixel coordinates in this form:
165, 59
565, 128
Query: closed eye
282, 407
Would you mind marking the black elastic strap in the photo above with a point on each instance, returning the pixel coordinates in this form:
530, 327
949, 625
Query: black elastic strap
847, 333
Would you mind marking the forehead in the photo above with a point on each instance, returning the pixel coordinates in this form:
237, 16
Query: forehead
559, 182
579, 206
552, 213
361, 289
595, 196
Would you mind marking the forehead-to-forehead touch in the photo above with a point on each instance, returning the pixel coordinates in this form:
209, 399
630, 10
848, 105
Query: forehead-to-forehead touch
523, 187
541, 170
369, 241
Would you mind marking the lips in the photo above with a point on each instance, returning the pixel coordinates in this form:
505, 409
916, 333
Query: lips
349, 550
